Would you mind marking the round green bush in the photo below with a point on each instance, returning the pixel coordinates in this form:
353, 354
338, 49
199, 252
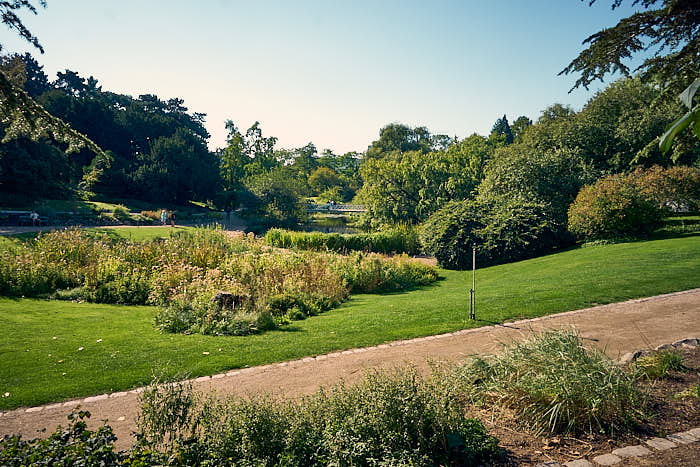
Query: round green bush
613, 207
501, 231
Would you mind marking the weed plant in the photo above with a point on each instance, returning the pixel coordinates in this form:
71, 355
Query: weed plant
555, 385
658, 364
182, 273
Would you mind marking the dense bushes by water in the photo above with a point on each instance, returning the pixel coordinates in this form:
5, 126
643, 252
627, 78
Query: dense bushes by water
182, 274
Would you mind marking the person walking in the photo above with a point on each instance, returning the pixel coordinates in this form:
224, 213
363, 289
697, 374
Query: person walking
163, 216
172, 219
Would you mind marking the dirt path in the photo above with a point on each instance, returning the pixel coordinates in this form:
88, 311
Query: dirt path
616, 328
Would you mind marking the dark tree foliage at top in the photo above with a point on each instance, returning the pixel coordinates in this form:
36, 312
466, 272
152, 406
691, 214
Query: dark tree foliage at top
8, 13
22, 117
669, 27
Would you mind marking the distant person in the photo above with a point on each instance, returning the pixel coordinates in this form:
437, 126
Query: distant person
172, 219
163, 217
34, 216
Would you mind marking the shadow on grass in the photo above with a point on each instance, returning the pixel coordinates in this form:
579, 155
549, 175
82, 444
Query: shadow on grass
412, 288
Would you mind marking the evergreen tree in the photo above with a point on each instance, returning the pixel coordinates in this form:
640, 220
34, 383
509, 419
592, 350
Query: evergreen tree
501, 127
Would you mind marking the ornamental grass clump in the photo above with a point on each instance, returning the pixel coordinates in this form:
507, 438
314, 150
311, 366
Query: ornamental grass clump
555, 385
393, 418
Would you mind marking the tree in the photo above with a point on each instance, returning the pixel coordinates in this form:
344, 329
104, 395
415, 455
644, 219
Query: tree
402, 138
410, 186
20, 116
519, 126
501, 127
277, 197
322, 179
668, 26
8, 13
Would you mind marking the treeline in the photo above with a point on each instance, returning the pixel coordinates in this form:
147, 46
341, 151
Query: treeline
514, 186
509, 194
158, 153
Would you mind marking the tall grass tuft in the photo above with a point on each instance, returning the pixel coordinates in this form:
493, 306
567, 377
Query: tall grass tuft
555, 385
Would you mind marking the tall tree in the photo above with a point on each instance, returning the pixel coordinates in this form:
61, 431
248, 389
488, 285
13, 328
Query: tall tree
402, 138
501, 127
21, 116
519, 126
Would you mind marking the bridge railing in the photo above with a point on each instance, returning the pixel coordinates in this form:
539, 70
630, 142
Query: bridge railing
335, 207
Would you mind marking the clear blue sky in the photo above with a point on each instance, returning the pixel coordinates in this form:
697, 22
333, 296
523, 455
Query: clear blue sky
331, 72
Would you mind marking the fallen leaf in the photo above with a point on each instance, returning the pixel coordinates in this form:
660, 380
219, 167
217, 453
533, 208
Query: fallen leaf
54, 338
80, 348
60, 361
205, 353
99, 340
7, 394
63, 374
121, 419
220, 349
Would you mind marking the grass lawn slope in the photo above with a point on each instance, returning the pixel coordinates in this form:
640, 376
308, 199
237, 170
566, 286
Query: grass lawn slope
54, 350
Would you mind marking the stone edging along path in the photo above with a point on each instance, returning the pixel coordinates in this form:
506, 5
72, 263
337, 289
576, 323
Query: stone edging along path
263, 368
653, 445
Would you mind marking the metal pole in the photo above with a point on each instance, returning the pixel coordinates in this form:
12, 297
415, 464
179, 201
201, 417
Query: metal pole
472, 292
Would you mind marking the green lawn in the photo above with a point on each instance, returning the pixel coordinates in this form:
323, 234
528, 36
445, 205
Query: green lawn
139, 234
130, 348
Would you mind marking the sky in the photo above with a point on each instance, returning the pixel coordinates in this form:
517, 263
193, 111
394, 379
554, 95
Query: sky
329, 72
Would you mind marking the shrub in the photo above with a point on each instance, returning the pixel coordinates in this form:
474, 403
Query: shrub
366, 273
395, 418
673, 188
613, 207
121, 213
399, 239
556, 385
74, 445
501, 231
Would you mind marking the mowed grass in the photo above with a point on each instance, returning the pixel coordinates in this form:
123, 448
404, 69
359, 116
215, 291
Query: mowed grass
139, 234
37, 369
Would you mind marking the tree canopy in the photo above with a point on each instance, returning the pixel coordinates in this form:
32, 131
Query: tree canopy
669, 28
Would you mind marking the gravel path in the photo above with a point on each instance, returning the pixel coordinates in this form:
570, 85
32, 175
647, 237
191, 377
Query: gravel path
617, 328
